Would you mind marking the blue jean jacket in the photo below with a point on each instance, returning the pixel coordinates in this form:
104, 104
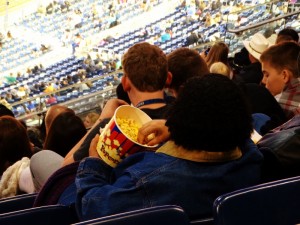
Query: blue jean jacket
151, 179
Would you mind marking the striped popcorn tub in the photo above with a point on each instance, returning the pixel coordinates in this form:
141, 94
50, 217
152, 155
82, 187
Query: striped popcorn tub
119, 137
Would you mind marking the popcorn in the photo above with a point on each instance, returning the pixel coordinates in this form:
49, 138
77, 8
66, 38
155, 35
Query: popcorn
118, 139
129, 127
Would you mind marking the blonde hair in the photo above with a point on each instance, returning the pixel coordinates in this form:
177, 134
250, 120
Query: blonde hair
92, 117
220, 68
217, 53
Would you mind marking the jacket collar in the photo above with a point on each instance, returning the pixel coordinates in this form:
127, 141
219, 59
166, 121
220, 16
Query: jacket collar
170, 148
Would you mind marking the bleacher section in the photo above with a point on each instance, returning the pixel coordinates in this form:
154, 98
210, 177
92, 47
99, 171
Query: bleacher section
23, 51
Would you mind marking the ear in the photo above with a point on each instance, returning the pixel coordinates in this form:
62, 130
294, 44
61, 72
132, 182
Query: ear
287, 75
125, 83
169, 79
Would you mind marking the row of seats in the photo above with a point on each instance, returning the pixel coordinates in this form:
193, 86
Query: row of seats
18, 51
22, 53
275, 203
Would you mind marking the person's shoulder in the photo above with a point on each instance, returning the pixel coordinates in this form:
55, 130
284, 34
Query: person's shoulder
250, 151
145, 162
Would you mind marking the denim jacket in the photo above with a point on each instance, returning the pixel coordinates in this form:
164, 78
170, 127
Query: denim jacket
172, 175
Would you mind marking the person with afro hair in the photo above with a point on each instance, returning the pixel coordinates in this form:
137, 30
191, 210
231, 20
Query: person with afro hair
209, 153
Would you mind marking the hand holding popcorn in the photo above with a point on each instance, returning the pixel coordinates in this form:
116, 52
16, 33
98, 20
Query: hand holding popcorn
153, 132
119, 137
93, 147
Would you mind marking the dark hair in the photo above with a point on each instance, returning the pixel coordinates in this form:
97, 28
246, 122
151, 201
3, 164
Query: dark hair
121, 94
287, 34
283, 56
210, 114
184, 63
5, 111
34, 135
64, 132
146, 66
240, 60
52, 112
14, 142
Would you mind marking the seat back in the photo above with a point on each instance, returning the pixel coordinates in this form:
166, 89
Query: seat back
168, 214
46, 215
18, 202
275, 203
207, 221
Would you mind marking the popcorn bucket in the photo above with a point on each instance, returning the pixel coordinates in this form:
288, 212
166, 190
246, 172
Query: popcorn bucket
118, 139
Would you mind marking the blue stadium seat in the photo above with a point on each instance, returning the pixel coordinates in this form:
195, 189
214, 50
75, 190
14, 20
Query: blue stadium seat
207, 221
18, 202
168, 214
46, 215
275, 203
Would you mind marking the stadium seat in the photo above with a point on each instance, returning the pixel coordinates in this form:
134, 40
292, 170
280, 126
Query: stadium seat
46, 215
167, 214
207, 221
275, 203
18, 202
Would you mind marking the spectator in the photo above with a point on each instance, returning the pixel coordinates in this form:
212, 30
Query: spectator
9, 35
145, 77
35, 138
184, 63
90, 119
15, 151
51, 100
220, 68
217, 53
76, 42
239, 61
253, 73
194, 168
49, 88
49, 8
261, 101
31, 106
5, 111
121, 94
192, 39
52, 113
65, 131
216, 5
85, 85
11, 79
5, 107
144, 84
165, 36
46, 162
287, 34
280, 65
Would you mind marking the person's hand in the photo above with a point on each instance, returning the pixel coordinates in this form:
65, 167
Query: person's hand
153, 132
93, 147
110, 107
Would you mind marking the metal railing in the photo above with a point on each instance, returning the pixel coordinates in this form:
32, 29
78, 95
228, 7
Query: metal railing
79, 101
